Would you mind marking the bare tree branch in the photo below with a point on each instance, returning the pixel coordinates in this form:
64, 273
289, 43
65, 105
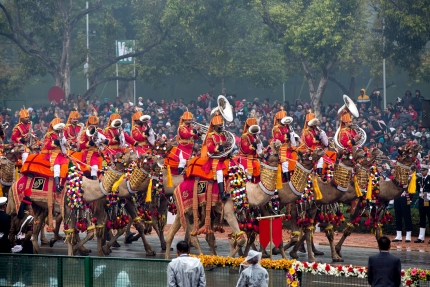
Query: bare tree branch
85, 12
339, 84
268, 21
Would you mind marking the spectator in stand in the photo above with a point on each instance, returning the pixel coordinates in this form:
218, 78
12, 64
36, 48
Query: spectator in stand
33, 117
404, 118
398, 107
417, 102
363, 98
96, 103
106, 105
407, 99
376, 99
413, 113
298, 112
118, 104
82, 104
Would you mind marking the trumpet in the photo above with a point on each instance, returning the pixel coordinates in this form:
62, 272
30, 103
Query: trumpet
5, 125
201, 128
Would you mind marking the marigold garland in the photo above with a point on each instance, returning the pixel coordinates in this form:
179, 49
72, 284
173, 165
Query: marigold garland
211, 260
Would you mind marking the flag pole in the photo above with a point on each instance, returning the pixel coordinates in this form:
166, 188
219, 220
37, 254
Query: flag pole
271, 239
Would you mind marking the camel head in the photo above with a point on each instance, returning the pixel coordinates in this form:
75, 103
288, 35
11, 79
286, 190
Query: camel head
147, 162
121, 161
408, 153
271, 153
371, 156
309, 158
13, 152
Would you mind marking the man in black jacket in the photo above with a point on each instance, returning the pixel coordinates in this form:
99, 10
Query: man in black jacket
417, 102
5, 221
384, 269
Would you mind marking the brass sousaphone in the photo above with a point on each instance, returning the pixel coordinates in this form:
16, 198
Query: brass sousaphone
350, 106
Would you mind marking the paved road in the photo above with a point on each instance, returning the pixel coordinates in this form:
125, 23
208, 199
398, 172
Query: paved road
354, 256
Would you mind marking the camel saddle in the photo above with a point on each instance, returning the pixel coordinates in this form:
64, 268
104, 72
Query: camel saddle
195, 169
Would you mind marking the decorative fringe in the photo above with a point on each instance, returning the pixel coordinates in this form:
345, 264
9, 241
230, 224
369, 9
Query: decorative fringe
117, 183
206, 229
169, 177
16, 174
318, 194
357, 187
279, 178
369, 189
195, 210
1, 190
149, 191
412, 188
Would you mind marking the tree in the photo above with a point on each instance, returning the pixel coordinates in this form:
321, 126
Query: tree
51, 32
318, 32
407, 32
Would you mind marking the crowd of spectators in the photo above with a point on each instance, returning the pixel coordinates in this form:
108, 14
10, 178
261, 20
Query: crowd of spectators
387, 129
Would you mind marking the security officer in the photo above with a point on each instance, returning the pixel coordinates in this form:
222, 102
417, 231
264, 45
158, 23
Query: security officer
402, 210
423, 185
5, 221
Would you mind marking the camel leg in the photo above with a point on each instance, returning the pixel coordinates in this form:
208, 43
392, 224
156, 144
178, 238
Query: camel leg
293, 252
43, 239
108, 245
192, 239
171, 234
308, 234
210, 239
162, 209
58, 221
79, 247
349, 227
36, 230
329, 232
141, 229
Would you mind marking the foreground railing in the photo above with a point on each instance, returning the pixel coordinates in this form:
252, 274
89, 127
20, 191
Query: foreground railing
56, 270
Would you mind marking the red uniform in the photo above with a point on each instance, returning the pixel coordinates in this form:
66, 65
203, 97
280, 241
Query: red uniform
346, 136
138, 134
71, 133
248, 152
213, 142
20, 131
90, 154
52, 151
282, 133
309, 137
114, 145
185, 138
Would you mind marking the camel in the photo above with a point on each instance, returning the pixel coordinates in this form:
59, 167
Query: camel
256, 197
388, 189
93, 192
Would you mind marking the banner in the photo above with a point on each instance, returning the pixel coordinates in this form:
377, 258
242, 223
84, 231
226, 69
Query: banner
124, 47
264, 226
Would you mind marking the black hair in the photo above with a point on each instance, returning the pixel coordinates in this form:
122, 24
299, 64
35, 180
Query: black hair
183, 246
253, 260
384, 243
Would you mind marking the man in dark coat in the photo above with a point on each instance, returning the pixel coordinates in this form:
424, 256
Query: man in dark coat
384, 269
5, 221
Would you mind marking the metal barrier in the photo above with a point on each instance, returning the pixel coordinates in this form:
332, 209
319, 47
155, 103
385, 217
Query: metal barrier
64, 271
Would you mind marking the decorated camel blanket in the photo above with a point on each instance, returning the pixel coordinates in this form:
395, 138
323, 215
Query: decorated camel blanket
195, 169
184, 196
42, 189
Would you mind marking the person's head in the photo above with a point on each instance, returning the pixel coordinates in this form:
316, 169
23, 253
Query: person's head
253, 258
408, 93
417, 93
384, 243
182, 247
26, 205
424, 170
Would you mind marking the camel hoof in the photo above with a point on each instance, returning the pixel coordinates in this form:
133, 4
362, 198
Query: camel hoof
82, 253
51, 242
150, 253
265, 255
294, 255
45, 242
302, 249
337, 260
318, 253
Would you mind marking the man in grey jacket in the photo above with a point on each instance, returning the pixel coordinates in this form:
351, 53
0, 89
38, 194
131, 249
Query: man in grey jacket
384, 269
185, 271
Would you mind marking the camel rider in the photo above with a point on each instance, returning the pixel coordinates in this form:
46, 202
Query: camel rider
314, 137
72, 129
55, 148
117, 138
250, 146
281, 131
347, 136
185, 136
88, 144
142, 133
22, 133
215, 143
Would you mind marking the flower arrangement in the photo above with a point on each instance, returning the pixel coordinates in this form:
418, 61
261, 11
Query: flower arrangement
307, 194
210, 260
412, 276
74, 191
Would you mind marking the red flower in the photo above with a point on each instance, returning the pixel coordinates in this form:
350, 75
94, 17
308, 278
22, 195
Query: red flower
350, 269
408, 282
305, 264
339, 268
403, 273
315, 266
327, 267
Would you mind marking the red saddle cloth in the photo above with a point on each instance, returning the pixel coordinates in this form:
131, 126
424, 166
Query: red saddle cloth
184, 194
42, 187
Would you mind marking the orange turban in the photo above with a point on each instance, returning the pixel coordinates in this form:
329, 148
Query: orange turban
279, 116
54, 122
136, 116
217, 120
113, 117
92, 120
309, 117
187, 116
73, 115
249, 122
24, 114
346, 117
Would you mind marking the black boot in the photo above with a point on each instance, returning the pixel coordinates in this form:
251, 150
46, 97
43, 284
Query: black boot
93, 177
58, 187
287, 176
319, 171
180, 170
223, 195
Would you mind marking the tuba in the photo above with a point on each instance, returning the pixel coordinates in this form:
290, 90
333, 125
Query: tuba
254, 129
350, 107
